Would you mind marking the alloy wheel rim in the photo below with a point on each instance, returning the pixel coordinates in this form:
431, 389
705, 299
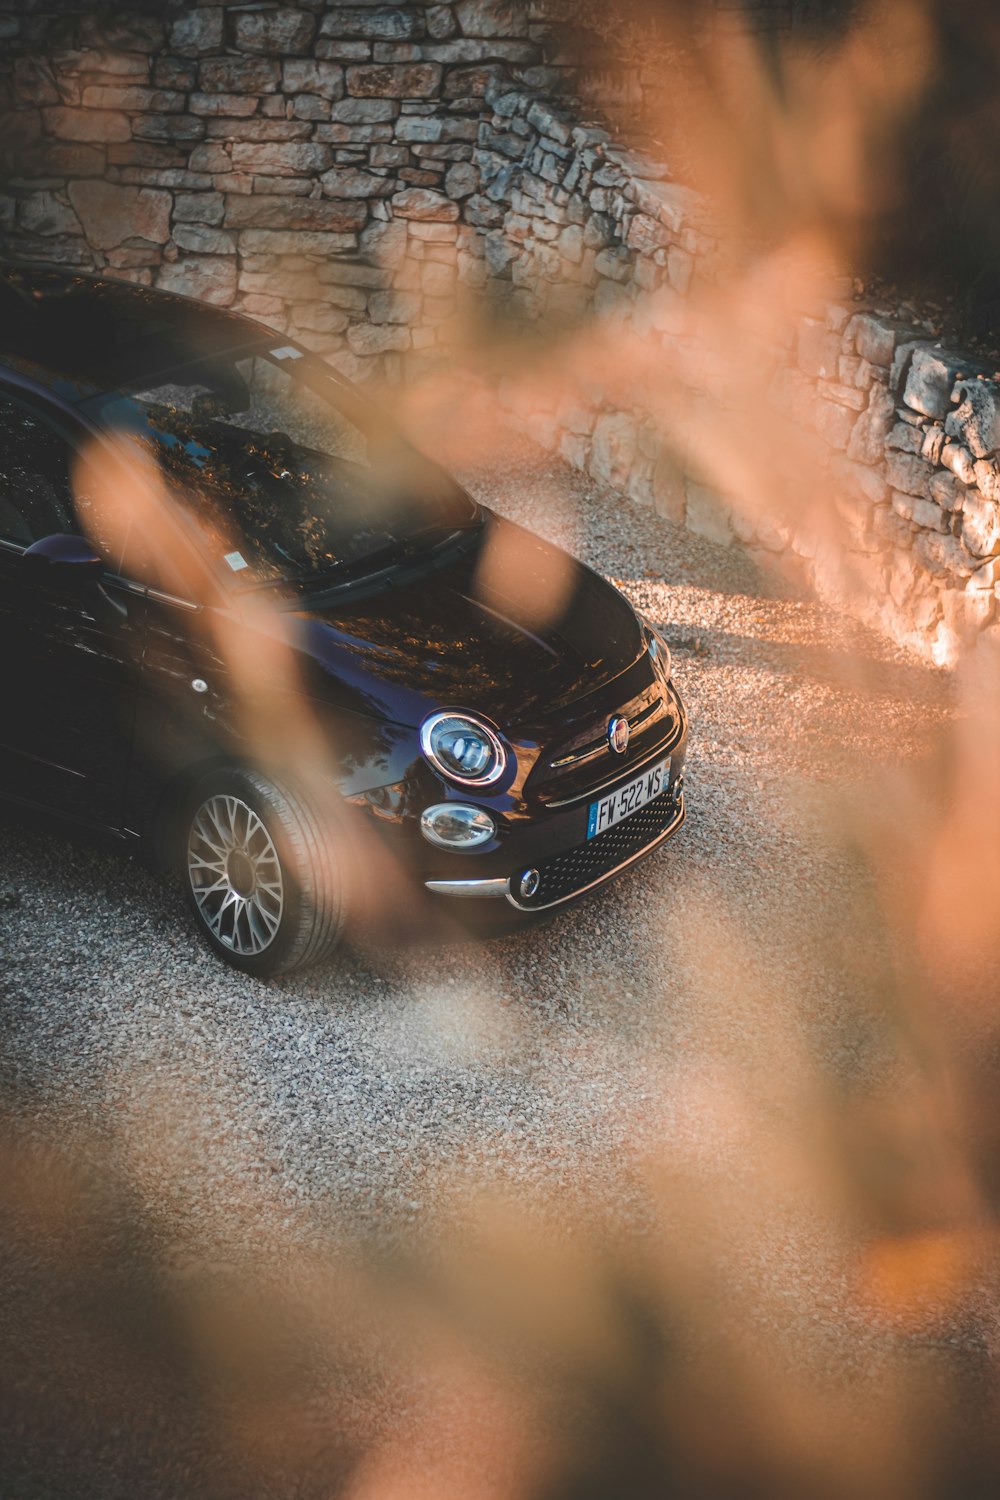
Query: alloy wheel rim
235, 875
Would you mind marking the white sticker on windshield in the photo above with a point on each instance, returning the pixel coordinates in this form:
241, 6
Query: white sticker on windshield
286, 352
236, 561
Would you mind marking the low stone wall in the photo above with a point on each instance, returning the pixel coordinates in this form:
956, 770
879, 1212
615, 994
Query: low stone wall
904, 434
305, 162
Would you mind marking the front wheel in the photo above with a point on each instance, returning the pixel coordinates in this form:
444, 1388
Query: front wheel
261, 874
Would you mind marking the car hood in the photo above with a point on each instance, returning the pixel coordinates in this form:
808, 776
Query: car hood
507, 625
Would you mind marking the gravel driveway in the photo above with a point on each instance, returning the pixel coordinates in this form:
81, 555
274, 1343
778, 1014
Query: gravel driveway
655, 1062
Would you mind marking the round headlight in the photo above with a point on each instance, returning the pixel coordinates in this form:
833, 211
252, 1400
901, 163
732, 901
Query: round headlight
451, 825
463, 748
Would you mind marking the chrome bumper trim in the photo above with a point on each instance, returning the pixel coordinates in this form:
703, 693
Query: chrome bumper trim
474, 888
672, 827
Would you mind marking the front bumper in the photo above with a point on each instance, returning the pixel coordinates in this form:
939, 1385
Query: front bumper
585, 867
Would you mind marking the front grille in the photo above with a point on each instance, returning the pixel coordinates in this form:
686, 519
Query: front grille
580, 867
585, 765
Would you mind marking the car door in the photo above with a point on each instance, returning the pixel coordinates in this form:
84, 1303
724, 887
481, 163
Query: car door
69, 654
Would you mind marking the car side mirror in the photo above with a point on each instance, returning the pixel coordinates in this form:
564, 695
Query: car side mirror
63, 560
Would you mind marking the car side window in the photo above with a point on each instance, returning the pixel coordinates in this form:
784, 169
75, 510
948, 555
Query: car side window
35, 492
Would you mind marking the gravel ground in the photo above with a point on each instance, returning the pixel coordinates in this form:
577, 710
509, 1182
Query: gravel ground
660, 1056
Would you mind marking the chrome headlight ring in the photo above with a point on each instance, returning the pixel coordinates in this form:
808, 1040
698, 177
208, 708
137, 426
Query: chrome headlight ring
434, 743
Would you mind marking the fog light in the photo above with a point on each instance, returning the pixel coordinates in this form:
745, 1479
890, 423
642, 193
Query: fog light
529, 883
452, 825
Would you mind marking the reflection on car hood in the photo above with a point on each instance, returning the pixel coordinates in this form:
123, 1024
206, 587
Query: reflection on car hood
473, 635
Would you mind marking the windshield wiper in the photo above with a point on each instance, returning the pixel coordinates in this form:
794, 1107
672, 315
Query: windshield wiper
388, 567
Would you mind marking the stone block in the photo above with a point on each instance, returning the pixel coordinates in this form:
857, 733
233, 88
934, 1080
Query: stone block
980, 525
948, 492
132, 96
294, 242
708, 515
239, 75
599, 232
818, 349
894, 530
68, 124
43, 213
355, 273
110, 214
944, 554
332, 49
492, 18
400, 81
384, 243
858, 480
34, 82
259, 306
425, 205
266, 211
203, 239
281, 159
167, 128
905, 439
867, 443
461, 180
832, 422
976, 420
874, 338
197, 32
277, 33
680, 269
932, 445
210, 278
931, 379
921, 512
368, 339
394, 307
957, 458
614, 446
210, 158
844, 395
646, 235
348, 182
669, 488
198, 208
670, 202
306, 76
986, 576
395, 23
232, 105
257, 129
909, 473
615, 263
319, 317
988, 478
174, 73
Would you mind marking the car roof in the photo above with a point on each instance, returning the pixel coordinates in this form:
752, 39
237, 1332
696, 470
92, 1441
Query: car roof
97, 331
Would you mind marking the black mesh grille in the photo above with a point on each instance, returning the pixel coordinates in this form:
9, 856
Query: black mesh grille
580, 867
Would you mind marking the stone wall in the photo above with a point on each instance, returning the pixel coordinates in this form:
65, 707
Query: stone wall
306, 162
902, 436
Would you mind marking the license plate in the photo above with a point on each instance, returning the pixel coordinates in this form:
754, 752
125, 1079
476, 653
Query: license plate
628, 799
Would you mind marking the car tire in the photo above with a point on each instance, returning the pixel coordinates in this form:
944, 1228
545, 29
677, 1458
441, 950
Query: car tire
261, 874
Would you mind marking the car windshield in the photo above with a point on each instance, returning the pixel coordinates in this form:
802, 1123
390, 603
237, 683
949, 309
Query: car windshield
291, 476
